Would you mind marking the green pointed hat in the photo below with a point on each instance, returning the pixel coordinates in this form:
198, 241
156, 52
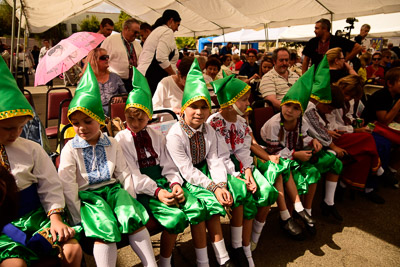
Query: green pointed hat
87, 97
195, 87
140, 96
229, 90
12, 102
321, 88
300, 92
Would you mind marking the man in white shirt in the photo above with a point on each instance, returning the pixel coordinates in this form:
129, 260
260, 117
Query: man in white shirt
275, 84
124, 51
42, 53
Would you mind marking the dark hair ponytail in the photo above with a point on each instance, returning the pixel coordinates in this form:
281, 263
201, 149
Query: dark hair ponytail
166, 16
301, 143
281, 132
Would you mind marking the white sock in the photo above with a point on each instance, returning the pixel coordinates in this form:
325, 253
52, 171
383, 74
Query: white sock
342, 184
165, 262
284, 215
368, 190
105, 255
249, 256
141, 244
330, 188
309, 213
220, 252
236, 236
201, 257
380, 171
257, 229
298, 206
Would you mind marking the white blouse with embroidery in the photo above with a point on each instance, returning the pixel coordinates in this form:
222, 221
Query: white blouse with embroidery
29, 165
84, 167
285, 148
178, 145
143, 183
238, 144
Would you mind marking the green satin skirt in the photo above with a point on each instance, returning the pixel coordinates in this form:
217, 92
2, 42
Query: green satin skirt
264, 177
172, 218
310, 171
109, 211
238, 190
30, 224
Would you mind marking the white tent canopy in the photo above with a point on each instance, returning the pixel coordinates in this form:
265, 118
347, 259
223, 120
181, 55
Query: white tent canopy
208, 17
382, 25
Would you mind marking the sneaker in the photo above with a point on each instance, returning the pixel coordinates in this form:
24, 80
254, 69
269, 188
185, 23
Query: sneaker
388, 178
374, 197
327, 210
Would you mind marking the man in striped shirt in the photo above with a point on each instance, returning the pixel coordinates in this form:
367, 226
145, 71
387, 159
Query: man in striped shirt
275, 84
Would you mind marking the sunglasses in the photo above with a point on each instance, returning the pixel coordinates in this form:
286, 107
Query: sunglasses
104, 57
376, 58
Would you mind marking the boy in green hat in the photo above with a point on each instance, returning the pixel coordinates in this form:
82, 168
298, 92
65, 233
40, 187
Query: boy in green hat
41, 202
158, 183
93, 171
286, 135
192, 145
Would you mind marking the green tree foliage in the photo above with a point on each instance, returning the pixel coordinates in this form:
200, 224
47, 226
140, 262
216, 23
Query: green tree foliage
122, 17
181, 42
91, 24
5, 18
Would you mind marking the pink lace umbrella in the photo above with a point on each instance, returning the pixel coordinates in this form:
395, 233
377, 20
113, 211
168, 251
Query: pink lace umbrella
65, 54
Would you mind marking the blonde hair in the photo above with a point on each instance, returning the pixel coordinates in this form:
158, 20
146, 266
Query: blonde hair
365, 59
351, 85
92, 58
333, 54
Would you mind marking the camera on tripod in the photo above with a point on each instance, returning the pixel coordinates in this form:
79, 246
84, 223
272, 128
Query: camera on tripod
347, 30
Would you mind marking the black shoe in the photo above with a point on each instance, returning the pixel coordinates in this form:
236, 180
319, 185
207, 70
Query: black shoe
312, 229
374, 197
388, 178
228, 264
330, 210
292, 228
238, 257
303, 215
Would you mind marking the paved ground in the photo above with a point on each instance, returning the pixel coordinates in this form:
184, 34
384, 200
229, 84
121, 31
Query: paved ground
369, 235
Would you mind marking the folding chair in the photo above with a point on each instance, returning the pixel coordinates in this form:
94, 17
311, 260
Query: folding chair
53, 100
259, 117
117, 109
165, 125
62, 143
29, 97
62, 117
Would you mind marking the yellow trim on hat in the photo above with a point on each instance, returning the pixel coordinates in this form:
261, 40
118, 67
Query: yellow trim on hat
320, 100
139, 106
194, 99
294, 102
15, 113
233, 100
87, 112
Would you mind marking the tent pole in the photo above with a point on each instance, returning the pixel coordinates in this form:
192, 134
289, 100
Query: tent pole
18, 38
266, 35
12, 35
223, 34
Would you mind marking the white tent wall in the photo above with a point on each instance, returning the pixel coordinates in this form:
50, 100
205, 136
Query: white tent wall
208, 17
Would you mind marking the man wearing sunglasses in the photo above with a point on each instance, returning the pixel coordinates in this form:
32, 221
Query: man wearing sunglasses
124, 51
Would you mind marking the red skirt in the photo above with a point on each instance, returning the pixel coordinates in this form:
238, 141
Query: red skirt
362, 147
